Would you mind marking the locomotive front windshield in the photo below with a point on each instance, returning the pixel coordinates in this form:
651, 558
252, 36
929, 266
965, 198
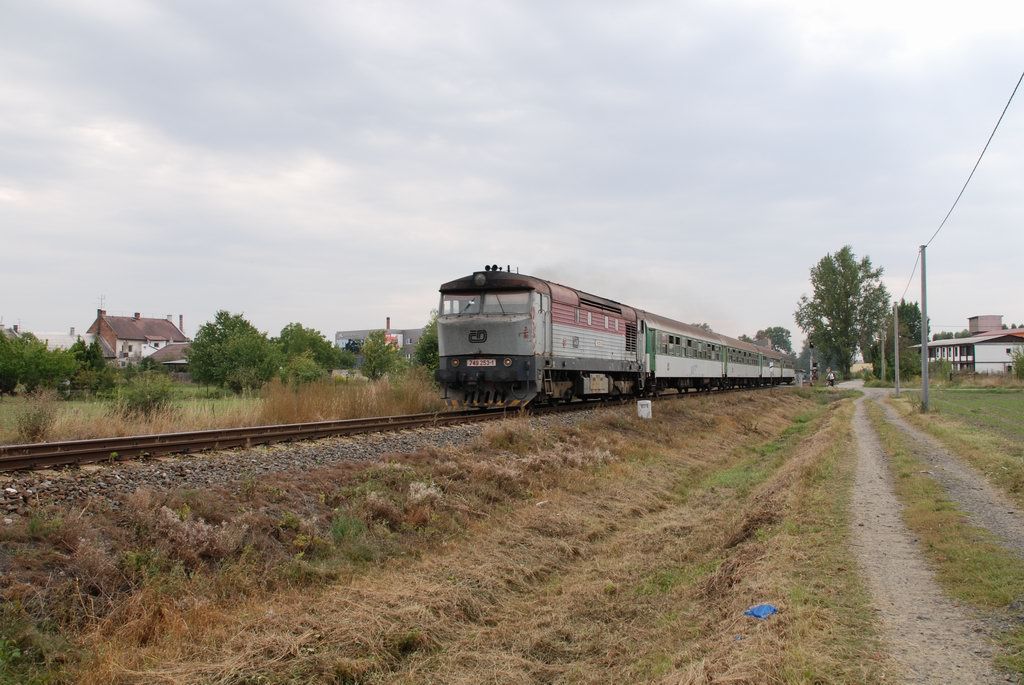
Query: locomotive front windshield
486, 303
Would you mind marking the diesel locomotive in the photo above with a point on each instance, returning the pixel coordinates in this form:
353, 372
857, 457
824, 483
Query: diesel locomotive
507, 339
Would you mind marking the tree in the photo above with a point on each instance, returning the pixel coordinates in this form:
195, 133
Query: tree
1018, 361
847, 309
746, 338
88, 356
296, 340
706, 326
779, 337
229, 351
909, 335
380, 356
10, 363
427, 354
910, 321
26, 361
821, 358
949, 335
346, 358
302, 368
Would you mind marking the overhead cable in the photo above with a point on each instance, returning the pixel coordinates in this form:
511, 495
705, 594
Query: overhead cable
975, 168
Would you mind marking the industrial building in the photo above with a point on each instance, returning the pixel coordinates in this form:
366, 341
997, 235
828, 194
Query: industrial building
989, 349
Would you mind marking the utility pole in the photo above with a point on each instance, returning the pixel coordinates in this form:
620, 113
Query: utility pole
924, 333
810, 370
896, 343
883, 355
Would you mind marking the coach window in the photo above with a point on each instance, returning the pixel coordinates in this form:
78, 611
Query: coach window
616, 325
606, 322
577, 314
590, 318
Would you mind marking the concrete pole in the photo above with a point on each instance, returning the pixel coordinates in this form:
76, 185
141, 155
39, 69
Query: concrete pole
924, 333
883, 355
896, 343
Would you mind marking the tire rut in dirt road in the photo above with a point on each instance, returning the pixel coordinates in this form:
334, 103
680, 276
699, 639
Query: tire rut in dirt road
935, 640
983, 504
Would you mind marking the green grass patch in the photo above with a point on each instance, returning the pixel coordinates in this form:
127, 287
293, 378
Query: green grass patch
983, 426
1012, 657
765, 458
996, 409
664, 580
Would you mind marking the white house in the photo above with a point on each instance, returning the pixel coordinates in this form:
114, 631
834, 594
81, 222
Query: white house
989, 350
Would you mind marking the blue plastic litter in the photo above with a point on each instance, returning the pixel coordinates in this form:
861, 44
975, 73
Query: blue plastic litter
761, 611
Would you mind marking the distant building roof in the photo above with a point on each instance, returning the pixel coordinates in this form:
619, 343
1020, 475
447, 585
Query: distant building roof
140, 328
61, 340
976, 339
172, 353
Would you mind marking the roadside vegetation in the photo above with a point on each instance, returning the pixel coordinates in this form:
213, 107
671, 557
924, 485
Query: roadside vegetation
241, 377
981, 424
614, 546
970, 564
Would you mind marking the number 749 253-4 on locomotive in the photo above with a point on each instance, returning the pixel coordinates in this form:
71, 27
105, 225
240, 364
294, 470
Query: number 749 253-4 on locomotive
506, 339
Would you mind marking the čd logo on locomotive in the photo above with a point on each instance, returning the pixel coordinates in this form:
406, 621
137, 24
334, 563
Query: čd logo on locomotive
478, 336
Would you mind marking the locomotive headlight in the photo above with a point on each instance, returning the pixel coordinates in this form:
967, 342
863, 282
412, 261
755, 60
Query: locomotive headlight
479, 279
508, 361
455, 362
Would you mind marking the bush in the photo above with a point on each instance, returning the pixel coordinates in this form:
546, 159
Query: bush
37, 416
301, 369
942, 368
1018, 362
144, 395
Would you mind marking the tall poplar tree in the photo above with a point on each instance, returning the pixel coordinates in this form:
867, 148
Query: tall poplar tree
847, 308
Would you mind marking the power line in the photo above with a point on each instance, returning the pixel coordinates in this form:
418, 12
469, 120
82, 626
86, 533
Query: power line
975, 168
969, 177
912, 272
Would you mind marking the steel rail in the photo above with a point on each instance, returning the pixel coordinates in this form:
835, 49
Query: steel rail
77, 452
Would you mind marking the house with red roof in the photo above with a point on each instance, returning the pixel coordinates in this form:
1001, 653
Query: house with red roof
130, 339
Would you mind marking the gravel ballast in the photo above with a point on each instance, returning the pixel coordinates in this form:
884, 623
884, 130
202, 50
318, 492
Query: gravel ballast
20, 492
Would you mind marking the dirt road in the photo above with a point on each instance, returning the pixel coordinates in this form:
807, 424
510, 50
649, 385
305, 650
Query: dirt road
934, 638
984, 505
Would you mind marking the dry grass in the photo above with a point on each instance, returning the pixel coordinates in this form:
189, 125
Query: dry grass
83, 420
412, 392
596, 577
48, 418
985, 380
790, 549
615, 550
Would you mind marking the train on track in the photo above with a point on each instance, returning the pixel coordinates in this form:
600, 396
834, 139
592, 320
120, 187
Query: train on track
507, 339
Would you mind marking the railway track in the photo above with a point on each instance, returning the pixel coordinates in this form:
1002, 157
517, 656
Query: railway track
77, 452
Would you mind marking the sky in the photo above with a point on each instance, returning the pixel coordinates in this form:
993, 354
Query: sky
334, 163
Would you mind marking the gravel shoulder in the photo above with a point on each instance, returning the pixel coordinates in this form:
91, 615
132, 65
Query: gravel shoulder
985, 506
935, 639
